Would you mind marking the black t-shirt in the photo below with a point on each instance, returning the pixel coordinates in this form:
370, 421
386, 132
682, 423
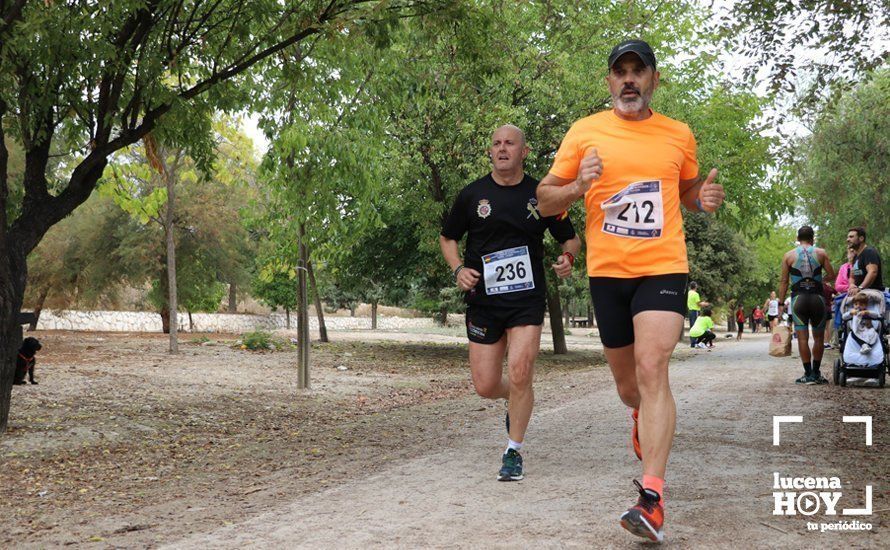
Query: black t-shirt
499, 222
868, 256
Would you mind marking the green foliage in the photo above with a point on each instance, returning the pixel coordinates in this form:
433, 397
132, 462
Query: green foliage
792, 38
212, 245
843, 171
80, 261
523, 65
276, 286
762, 276
258, 340
718, 258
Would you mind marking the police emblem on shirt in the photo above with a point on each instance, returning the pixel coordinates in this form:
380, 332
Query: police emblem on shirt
483, 209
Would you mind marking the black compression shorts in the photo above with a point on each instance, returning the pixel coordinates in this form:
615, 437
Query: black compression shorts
616, 301
487, 324
808, 310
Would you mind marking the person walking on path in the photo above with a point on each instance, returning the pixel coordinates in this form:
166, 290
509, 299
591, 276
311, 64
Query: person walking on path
740, 321
757, 315
634, 168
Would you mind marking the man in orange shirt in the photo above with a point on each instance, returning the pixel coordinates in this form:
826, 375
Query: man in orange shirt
634, 168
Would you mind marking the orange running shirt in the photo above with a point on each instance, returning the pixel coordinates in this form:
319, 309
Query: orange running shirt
634, 225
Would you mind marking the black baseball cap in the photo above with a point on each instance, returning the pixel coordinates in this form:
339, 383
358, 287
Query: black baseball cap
639, 47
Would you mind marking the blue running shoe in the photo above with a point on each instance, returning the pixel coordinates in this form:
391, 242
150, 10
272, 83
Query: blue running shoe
511, 468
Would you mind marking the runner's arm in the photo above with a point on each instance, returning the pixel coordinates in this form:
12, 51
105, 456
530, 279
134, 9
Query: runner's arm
556, 195
563, 267
829, 270
572, 246
783, 282
467, 277
450, 252
689, 190
700, 195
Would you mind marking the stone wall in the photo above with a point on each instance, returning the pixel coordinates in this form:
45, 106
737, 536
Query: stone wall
142, 321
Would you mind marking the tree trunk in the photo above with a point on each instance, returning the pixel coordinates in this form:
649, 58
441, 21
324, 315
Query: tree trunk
589, 315
38, 308
566, 314
730, 322
442, 316
374, 314
287, 318
13, 277
233, 298
319, 311
352, 309
10, 340
171, 264
303, 315
191, 324
556, 326
165, 319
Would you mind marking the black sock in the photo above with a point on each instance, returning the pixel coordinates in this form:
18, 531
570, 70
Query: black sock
816, 364
807, 369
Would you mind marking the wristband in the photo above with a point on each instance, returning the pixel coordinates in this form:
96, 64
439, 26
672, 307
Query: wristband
570, 257
456, 271
699, 206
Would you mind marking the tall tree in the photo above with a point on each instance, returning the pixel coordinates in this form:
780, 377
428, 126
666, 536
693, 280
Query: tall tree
103, 75
843, 168
206, 223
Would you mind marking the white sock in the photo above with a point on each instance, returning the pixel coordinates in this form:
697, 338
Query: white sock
516, 446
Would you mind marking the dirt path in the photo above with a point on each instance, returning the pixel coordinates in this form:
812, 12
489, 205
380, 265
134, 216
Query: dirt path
579, 470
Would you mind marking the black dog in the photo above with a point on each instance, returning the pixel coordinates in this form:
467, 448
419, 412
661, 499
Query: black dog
24, 363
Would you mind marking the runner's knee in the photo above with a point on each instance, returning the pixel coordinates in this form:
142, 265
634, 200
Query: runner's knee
651, 375
629, 395
487, 388
521, 373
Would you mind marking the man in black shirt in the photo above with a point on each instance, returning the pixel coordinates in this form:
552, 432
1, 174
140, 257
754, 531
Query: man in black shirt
866, 271
502, 274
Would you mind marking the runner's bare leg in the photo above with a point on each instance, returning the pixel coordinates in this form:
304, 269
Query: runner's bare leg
655, 341
803, 345
524, 343
486, 367
624, 371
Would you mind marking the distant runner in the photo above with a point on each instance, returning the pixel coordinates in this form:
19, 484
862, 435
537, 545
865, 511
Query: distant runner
804, 267
771, 306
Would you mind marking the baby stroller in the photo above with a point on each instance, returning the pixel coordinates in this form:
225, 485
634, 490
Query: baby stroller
863, 360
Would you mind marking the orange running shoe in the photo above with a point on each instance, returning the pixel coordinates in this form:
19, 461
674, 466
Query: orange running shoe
635, 435
646, 519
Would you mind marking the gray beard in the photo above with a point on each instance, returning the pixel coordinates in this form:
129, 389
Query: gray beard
636, 105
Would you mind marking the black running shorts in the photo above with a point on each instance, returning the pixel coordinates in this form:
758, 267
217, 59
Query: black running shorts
487, 324
808, 310
616, 301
